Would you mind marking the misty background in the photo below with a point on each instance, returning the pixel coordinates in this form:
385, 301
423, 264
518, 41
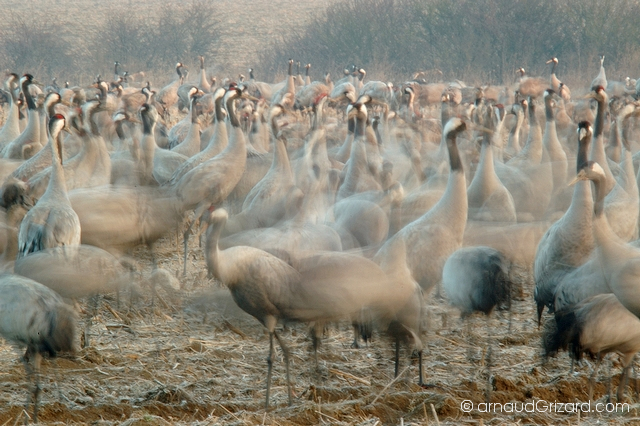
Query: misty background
479, 41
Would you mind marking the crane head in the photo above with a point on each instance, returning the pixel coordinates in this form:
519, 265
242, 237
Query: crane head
598, 93
590, 170
217, 215
584, 129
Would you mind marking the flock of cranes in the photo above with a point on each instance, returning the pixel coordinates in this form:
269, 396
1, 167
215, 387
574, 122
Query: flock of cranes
327, 201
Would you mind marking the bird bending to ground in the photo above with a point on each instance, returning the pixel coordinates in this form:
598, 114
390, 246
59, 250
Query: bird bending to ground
34, 316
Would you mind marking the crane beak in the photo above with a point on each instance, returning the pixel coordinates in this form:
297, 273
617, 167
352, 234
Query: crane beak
580, 176
251, 98
478, 127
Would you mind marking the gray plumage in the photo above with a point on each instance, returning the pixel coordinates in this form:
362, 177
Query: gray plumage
476, 279
596, 326
51, 222
34, 316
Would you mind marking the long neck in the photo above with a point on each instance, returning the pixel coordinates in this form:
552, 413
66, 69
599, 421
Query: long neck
486, 167
148, 149
485, 180
583, 148
445, 112
514, 134
356, 167
533, 147
581, 208
597, 148
281, 158
610, 247
345, 150
120, 130
192, 111
598, 128
220, 138
237, 144
614, 135
454, 155
548, 110
361, 123
453, 207
212, 251
27, 96
57, 182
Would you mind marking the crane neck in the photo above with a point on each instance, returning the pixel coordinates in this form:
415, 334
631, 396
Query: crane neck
598, 205
583, 149
231, 111
598, 128
57, 182
623, 134
290, 72
193, 110
281, 157
376, 130
27, 95
519, 120
147, 124
548, 110
614, 134
219, 113
318, 117
454, 155
361, 124
211, 248
533, 118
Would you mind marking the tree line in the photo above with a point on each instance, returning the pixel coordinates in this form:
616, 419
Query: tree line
482, 41
78, 51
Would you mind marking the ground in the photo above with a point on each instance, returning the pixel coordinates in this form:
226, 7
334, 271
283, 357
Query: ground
192, 357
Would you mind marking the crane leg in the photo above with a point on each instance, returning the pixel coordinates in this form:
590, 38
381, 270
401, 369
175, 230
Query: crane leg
269, 368
609, 383
397, 359
420, 372
623, 382
356, 330
185, 242
592, 378
318, 329
489, 385
33, 375
285, 354
635, 378
198, 212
